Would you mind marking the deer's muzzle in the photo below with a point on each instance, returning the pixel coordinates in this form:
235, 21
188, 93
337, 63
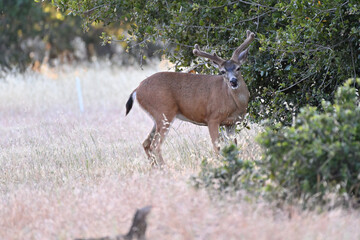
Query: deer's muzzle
234, 83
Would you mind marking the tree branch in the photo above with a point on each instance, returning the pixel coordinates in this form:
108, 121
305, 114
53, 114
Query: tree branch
88, 12
293, 85
257, 4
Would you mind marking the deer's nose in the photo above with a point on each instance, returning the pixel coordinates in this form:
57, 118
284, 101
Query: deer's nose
233, 80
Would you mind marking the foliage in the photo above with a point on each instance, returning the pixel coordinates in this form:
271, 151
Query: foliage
308, 162
320, 152
37, 32
232, 174
304, 49
13, 19
25, 25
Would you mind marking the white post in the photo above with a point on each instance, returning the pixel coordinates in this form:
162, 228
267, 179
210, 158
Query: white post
80, 97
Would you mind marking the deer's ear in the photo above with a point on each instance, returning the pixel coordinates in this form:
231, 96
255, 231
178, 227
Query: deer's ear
243, 56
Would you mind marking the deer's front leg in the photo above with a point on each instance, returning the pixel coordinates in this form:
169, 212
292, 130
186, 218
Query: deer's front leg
214, 134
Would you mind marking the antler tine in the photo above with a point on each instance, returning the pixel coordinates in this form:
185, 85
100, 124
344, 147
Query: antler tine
215, 58
250, 36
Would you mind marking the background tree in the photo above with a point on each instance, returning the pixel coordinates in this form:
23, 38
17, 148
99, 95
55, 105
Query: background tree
32, 33
26, 26
304, 49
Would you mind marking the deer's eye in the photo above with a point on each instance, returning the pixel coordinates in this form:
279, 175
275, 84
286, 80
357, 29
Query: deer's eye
222, 72
238, 69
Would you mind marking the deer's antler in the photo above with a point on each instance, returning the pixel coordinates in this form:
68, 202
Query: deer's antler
250, 37
215, 58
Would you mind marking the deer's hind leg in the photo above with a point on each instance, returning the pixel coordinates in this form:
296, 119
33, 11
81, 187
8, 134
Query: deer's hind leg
162, 128
148, 140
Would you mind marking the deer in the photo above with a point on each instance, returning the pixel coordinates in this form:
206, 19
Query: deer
205, 100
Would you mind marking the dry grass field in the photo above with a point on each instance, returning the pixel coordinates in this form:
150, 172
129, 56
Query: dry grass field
66, 174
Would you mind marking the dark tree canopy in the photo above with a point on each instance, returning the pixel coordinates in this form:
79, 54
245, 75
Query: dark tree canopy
34, 33
25, 24
303, 50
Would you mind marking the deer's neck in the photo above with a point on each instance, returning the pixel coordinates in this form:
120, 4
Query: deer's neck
240, 95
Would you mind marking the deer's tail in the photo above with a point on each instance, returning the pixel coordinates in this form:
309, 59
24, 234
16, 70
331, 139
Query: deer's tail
130, 102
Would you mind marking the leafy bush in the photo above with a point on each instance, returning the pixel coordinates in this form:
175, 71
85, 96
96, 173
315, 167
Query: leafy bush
232, 174
320, 153
310, 162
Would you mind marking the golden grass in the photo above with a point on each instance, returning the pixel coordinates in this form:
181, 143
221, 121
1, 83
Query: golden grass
65, 174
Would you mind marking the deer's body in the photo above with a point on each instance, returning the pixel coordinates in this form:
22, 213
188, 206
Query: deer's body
193, 98
208, 100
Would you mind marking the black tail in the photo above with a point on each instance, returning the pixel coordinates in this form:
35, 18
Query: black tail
129, 103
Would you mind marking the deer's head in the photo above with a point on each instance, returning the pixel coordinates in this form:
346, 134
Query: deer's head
230, 69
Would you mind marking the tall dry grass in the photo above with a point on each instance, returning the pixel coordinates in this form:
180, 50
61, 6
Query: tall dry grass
66, 174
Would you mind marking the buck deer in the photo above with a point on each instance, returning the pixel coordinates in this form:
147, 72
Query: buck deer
206, 100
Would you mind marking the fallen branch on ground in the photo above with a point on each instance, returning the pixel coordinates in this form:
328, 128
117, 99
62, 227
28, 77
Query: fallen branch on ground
137, 229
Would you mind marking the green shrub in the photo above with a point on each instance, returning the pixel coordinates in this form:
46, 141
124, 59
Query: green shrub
320, 153
310, 162
232, 174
